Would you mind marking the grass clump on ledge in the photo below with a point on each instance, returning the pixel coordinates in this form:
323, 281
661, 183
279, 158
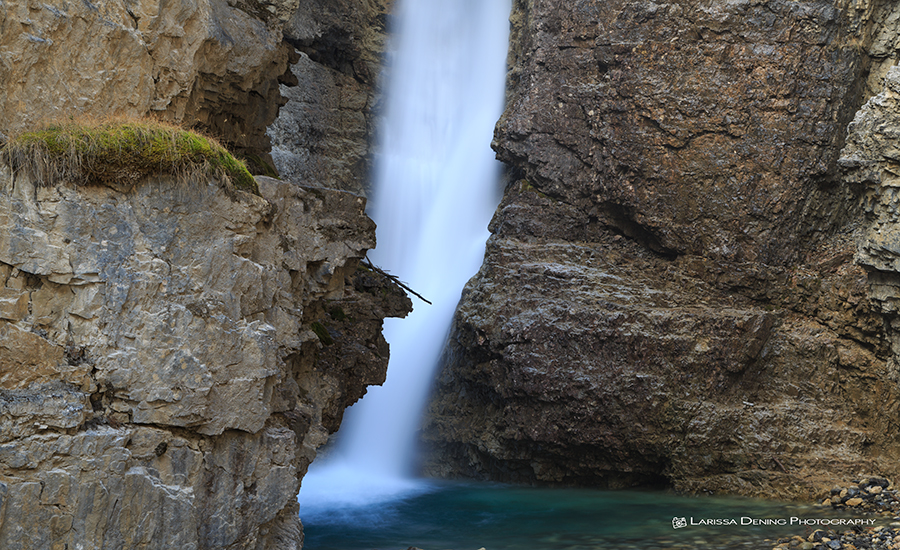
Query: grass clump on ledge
122, 152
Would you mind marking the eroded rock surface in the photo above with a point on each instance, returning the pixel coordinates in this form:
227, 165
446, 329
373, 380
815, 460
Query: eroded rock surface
166, 376
324, 133
210, 64
871, 160
669, 295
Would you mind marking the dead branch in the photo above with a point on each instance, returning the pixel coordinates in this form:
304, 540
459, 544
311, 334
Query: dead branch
368, 263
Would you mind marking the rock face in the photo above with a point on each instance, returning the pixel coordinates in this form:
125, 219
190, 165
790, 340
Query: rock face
172, 356
870, 160
209, 64
324, 132
669, 295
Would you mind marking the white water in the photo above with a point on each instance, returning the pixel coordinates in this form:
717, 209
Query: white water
436, 187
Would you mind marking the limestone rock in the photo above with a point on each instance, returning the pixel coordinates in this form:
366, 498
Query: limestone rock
871, 159
206, 63
668, 123
161, 387
324, 133
580, 364
669, 294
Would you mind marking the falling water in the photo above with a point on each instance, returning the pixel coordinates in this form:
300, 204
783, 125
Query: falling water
436, 186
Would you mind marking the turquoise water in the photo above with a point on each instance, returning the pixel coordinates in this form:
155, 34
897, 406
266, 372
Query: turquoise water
468, 517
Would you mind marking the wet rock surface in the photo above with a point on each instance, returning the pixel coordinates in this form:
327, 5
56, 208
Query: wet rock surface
670, 296
164, 384
873, 498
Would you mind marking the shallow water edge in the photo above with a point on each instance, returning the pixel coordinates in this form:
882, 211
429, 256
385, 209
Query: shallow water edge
459, 516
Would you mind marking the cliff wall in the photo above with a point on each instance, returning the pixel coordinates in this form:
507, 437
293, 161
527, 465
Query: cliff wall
168, 364
172, 354
294, 79
325, 131
208, 64
669, 295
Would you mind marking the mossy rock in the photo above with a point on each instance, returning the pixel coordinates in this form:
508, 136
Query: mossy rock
525, 186
322, 333
337, 313
122, 152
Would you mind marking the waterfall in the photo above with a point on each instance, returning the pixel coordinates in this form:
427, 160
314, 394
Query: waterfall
436, 187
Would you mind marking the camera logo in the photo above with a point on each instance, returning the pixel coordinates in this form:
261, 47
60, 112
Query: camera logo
678, 523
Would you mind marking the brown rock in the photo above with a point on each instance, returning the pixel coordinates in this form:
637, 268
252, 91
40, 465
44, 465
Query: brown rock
669, 295
209, 64
661, 121
13, 304
26, 357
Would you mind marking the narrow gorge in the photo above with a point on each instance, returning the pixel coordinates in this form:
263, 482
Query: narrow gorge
692, 279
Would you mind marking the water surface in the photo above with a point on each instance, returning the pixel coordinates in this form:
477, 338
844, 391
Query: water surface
463, 516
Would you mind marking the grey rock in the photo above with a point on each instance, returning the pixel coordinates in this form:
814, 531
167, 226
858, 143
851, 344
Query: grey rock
162, 388
324, 134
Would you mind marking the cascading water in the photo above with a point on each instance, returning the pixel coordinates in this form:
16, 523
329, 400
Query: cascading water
436, 186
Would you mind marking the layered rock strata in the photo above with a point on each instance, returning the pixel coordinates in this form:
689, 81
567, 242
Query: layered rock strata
324, 133
173, 355
669, 295
209, 64
871, 161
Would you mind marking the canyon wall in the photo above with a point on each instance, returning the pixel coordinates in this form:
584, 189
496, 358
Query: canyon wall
325, 131
692, 279
228, 68
669, 295
207, 64
171, 353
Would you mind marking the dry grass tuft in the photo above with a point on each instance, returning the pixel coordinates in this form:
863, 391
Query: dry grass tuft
121, 152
